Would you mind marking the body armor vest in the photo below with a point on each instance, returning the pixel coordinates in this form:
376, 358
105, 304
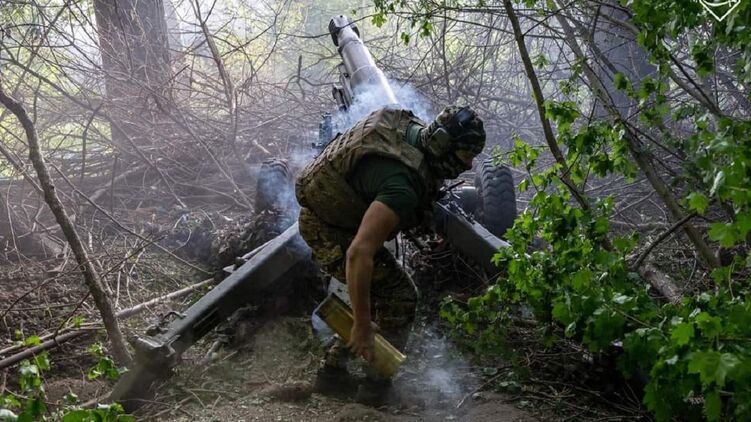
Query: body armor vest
323, 185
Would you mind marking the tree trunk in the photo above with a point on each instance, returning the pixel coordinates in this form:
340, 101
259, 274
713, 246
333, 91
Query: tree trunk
133, 41
540, 101
90, 275
642, 157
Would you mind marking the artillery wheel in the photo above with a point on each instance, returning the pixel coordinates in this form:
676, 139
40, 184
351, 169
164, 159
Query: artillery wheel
274, 188
496, 206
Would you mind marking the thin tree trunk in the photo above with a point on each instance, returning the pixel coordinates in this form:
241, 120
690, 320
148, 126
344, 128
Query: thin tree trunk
90, 276
642, 157
547, 128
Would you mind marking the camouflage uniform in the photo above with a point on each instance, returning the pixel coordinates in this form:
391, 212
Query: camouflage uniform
392, 293
331, 211
331, 214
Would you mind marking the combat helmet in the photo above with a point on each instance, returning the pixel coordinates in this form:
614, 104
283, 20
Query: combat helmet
456, 133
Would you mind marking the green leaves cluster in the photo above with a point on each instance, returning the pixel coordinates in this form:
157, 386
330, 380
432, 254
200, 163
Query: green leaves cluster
105, 366
31, 406
696, 354
661, 21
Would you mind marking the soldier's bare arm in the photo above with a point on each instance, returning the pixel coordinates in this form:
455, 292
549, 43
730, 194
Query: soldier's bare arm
378, 222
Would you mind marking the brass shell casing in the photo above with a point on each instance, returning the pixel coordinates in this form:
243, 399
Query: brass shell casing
338, 316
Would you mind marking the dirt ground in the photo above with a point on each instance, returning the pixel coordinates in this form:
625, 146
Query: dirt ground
262, 366
269, 378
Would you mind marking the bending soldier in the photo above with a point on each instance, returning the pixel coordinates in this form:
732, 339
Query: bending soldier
380, 177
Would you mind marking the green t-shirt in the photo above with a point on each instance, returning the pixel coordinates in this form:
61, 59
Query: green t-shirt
391, 182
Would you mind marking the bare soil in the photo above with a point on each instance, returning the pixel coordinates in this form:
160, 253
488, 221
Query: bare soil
270, 376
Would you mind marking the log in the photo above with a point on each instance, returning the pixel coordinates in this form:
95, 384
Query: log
661, 282
30, 352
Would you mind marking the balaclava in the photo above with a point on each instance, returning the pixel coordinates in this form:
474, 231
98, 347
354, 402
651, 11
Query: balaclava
455, 129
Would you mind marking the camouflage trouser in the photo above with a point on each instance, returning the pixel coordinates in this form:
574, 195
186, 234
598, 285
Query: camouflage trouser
393, 295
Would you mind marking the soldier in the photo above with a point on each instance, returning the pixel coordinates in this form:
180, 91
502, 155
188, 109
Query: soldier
378, 178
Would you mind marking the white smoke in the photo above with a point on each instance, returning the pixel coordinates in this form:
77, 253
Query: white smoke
435, 375
368, 101
411, 99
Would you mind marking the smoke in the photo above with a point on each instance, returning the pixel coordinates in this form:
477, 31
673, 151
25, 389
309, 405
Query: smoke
411, 99
435, 374
370, 100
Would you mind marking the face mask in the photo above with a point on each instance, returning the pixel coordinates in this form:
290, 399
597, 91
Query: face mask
448, 166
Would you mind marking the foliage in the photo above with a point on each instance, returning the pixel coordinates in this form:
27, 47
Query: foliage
30, 404
696, 353
105, 366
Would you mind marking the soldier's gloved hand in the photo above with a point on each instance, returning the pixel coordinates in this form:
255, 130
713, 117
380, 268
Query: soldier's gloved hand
362, 340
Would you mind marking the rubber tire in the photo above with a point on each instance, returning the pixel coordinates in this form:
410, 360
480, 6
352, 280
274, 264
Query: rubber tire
274, 188
496, 207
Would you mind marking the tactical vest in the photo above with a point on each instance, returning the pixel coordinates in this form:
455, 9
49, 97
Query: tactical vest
322, 186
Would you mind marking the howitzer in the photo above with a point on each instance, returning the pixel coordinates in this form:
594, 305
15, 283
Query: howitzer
472, 219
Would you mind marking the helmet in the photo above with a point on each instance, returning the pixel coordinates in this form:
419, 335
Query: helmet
455, 129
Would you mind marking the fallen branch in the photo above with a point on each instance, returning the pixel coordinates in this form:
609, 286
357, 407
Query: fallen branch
129, 312
49, 344
660, 238
51, 341
661, 282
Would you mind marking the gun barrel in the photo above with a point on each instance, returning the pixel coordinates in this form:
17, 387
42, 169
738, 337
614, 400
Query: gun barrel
364, 77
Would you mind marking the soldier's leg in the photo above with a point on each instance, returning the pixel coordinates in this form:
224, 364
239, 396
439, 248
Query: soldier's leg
394, 298
328, 245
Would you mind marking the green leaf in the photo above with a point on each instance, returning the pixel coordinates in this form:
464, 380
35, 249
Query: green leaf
709, 325
703, 59
581, 279
540, 61
76, 416
712, 405
712, 366
405, 38
682, 334
620, 81
77, 320
105, 366
32, 341
698, 202
723, 233
743, 223
35, 407
379, 19
560, 313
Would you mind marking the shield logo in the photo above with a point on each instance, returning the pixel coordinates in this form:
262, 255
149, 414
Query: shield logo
720, 9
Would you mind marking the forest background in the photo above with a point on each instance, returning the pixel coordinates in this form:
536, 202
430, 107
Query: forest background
627, 125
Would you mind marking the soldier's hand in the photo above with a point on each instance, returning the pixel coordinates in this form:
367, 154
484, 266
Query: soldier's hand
362, 340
